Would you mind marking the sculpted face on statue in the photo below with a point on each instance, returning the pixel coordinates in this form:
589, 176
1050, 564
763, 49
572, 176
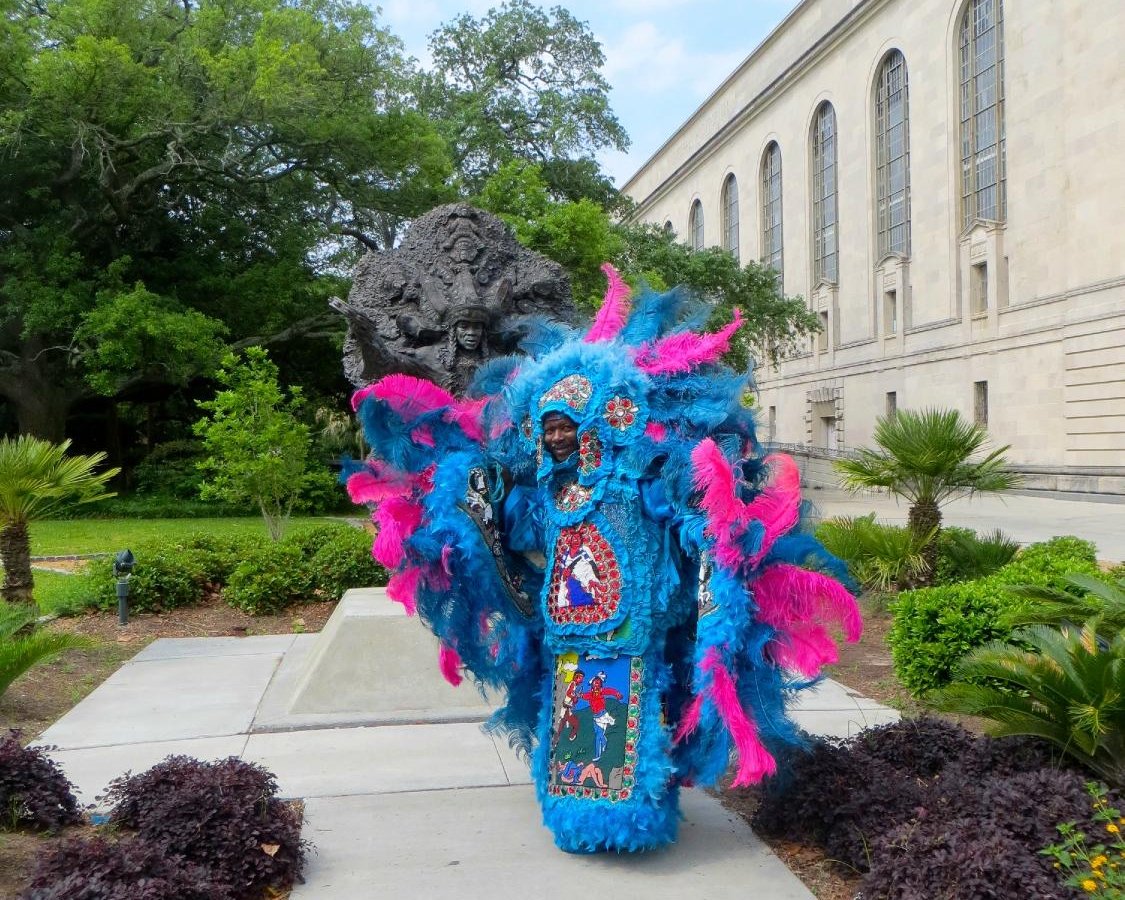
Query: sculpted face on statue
469, 335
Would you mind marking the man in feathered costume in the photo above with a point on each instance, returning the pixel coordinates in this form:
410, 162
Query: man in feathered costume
595, 532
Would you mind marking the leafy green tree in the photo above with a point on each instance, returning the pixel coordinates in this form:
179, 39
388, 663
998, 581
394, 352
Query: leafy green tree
23, 645
199, 162
257, 447
776, 325
37, 478
928, 457
522, 82
581, 236
1065, 686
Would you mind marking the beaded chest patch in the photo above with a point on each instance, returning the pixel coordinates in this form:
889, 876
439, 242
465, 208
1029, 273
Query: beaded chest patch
595, 727
572, 497
585, 578
574, 390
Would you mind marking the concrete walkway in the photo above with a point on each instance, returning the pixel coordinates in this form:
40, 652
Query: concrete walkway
1026, 518
428, 810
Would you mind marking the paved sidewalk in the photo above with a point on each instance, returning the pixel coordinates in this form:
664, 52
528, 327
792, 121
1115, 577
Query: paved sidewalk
1026, 518
420, 810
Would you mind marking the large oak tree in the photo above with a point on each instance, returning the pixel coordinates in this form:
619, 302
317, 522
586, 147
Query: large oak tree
172, 172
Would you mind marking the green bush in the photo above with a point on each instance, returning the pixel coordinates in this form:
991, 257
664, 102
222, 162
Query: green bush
170, 470
964, 555
338, 558
323, 493
223, 554
167, 576
880, 557
271, 578
934, 627
137, 506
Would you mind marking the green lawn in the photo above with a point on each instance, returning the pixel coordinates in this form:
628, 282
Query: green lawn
59, 537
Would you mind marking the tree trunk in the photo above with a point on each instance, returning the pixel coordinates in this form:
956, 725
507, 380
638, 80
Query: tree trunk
15, 554
925, 516
40, 391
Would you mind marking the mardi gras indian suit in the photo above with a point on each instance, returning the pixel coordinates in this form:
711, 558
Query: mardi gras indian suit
648, 603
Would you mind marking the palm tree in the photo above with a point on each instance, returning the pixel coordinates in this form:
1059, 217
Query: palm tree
22, 644
37, 478
1066, 686
928, 457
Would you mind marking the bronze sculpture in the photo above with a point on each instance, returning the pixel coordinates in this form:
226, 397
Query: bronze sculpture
457, 290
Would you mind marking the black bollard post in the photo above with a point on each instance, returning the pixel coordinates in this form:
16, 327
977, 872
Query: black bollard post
123, 565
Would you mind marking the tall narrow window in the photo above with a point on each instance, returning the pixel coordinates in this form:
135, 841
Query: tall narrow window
771, 210
825, 238
982, 112
892, 156
668, 228
695, 225
980, 403
730, 216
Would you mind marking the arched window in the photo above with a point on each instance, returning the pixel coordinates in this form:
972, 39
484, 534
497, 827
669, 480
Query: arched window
892, 156
982, 112
825, 238
730, 216
695, 225
771, 209
668, 229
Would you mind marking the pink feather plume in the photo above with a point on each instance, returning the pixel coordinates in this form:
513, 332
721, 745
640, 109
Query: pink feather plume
410, 397
689, 719
402, 587
615, 308
686, 350
804, 648
449, 661
778, 507
397, 518
656, 431
467, 414
713, 475
787, 595
754, 761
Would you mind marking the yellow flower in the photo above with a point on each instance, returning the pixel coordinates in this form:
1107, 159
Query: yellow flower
1098, 861
1112, 829
1089, 885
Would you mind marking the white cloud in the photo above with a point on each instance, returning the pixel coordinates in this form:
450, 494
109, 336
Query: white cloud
646, 60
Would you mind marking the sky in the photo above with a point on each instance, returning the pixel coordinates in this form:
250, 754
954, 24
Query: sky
663, 57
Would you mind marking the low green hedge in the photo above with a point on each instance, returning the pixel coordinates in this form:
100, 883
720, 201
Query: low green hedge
253, 573
934, 627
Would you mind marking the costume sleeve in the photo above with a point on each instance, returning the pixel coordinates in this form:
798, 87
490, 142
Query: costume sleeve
523, 520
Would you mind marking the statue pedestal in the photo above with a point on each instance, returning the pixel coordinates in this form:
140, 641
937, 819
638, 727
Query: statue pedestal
371, 665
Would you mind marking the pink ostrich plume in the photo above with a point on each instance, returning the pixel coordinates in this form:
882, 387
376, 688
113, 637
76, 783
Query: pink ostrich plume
754, 760
685, 351
778, 507
615, 309
449, 661
402, 587
410, 397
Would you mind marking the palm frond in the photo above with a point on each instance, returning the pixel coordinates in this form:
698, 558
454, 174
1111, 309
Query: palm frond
928, 455
20, 653
36, 477
1066, 686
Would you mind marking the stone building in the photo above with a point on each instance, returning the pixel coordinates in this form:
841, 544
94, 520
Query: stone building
944, 182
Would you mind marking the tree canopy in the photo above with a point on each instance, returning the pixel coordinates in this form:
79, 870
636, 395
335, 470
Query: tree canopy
190, 157
521, 82
581, 236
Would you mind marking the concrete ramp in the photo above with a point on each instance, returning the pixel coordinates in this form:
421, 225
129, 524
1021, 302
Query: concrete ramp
371, 665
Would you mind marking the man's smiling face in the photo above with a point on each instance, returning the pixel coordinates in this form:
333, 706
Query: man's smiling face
560, 435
